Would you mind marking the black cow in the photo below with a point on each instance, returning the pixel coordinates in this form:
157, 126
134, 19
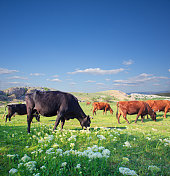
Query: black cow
51, 103
20, 109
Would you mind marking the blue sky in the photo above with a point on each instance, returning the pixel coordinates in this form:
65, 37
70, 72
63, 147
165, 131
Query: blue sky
85, 45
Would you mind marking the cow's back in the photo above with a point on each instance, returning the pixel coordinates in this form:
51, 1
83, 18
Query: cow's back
130, 107
158, 105
21, 109
50, 102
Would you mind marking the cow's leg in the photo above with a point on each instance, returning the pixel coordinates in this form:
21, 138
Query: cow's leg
94, 111
37, 116
6, 118
142, 117
166, 110
105, 110
118, 118
9, 117
124, 115
29, 119
137, 117
57, 120
62, 123
139, 113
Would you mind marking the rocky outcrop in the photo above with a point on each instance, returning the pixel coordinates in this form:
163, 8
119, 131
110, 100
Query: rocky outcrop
19, 92
15, 92
3, 96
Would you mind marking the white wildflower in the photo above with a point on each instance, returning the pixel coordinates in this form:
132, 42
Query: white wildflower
49, 151
167, 140
31, 165
20, 164
127, 171
101, 148
42, 167
101, 137
125, 159
38, 174
78, 166
127, 144
161, 140
148, 138
13, 171
154, 129
59, 151
166, 144
40, 141
106, 153
49, 138
64, 164
33, 152
154, 169
12, 156
55, 145
73, 137
72, 145
40, 150
114, 139
25, 158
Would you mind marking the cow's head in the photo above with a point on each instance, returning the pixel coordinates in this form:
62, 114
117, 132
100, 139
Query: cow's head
86, 122
153, 116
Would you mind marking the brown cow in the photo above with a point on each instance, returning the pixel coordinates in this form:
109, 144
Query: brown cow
160, 105
101, 106
88, 103
134, 107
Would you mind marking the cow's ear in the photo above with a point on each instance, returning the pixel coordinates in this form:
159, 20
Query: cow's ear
91, 117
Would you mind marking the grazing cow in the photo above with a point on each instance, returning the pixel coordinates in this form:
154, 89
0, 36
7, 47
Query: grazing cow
134, 107
20, 109
88, 103
101, 106
160, 105
51, 103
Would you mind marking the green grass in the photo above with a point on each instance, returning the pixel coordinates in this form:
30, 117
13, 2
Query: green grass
133, 146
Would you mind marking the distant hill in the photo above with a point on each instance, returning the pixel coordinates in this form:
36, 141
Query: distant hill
164, 94
18, 93
119, 95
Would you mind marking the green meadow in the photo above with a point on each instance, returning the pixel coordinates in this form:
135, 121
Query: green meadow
106, 148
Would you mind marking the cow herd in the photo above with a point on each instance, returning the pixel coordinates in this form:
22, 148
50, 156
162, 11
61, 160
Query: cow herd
66, 106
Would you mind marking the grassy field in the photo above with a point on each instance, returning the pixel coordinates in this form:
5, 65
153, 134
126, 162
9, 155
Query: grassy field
108, 148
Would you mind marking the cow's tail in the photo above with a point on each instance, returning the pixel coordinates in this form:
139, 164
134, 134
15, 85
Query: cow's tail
4, 112
117, 109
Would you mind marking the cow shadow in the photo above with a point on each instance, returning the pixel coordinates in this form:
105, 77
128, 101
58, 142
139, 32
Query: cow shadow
161, 116
121, 128
146, 120
98, 128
